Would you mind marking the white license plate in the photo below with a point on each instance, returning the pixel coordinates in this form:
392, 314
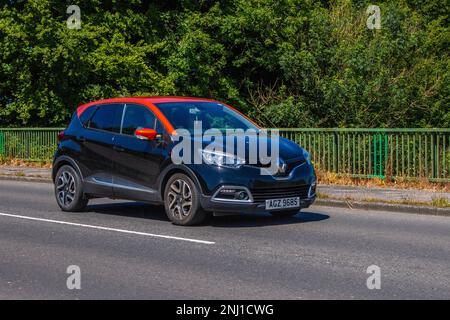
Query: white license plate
283, 203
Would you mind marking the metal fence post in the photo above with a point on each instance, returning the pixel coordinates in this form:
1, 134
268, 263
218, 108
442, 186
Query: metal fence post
375, 166
434, 156
335, 151
2, 144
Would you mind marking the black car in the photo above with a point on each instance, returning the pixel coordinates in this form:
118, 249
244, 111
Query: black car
124, 148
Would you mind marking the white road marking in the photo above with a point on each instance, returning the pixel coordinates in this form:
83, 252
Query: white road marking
106, 228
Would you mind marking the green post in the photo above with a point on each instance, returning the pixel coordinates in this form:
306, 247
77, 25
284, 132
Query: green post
2, 144
375, 154
433, 155
335, 151
380, 151
379, 154
386, 158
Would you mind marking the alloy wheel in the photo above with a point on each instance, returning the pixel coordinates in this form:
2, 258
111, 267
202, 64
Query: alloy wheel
180, 199
66, 188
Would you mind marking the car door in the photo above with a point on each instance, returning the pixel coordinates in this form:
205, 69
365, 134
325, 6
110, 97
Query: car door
97, 148
137, 163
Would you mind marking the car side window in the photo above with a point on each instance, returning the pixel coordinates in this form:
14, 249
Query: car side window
107, 118
159, 127
137, 117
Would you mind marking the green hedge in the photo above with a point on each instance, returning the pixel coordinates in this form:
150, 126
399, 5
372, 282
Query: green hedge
286, 63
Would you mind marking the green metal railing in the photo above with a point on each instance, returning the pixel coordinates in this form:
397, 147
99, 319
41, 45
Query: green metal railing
31, 144
381, 153
364, 153
2, 144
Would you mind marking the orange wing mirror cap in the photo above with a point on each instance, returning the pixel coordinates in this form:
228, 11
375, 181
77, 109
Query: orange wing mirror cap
145, 134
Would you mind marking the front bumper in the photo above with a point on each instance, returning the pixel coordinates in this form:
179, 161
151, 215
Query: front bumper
240, 207
213, 178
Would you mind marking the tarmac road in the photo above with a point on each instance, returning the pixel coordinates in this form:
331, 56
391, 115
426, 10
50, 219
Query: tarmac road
129, 250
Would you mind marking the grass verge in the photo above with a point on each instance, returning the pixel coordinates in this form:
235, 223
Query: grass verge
435, 202
22, 163
398, 183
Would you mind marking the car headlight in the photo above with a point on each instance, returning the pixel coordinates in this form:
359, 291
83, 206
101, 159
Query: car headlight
221, 158
306, 156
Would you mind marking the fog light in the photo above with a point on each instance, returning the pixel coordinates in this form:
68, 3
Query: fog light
230, 193
241, 195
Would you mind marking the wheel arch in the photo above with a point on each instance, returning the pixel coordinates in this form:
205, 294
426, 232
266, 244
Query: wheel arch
173, 169
65, 160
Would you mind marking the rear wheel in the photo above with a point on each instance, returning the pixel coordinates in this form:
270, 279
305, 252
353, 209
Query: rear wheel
182, 201
284, 213
69, 190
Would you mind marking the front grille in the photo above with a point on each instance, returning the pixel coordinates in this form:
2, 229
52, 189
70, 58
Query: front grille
263, 194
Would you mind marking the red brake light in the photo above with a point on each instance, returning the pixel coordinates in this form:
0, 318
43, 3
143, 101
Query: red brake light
60, 135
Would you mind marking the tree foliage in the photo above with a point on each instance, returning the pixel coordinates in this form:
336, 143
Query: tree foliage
287, 63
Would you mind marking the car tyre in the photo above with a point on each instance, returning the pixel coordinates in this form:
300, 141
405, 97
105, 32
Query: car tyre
69, 190
182, 201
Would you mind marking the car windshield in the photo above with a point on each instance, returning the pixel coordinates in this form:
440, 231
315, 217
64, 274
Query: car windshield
212, 115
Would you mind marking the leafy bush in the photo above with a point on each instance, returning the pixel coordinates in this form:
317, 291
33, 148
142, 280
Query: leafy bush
288, 63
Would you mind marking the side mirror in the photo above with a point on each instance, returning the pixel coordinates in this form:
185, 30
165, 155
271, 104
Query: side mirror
145, 134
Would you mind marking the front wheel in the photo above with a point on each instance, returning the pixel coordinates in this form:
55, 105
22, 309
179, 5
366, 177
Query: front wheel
182, 201
284, 213
69, 190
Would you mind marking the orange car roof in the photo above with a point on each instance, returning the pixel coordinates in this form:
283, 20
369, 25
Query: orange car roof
150, 103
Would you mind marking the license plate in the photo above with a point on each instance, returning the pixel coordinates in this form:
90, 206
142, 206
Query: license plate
283, 203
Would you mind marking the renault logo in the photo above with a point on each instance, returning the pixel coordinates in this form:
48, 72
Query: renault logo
282, 166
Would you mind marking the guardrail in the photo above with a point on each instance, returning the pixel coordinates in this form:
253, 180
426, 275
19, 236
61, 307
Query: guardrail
380, 153
363, 153
2, 143
31, 144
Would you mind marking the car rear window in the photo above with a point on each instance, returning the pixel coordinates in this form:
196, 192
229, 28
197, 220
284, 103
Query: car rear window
87, 114
107, 117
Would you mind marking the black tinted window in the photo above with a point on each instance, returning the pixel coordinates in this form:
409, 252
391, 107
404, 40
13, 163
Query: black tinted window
86, 115
137, 117
107, 117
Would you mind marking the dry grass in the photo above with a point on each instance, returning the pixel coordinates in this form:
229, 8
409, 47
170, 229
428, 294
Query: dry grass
437, 202
440, 202
22, 163
422, 184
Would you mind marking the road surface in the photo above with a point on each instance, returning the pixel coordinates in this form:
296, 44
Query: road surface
129, 250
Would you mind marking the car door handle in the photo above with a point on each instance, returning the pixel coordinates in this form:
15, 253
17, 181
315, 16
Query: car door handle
119, 149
